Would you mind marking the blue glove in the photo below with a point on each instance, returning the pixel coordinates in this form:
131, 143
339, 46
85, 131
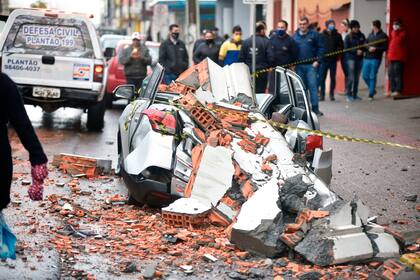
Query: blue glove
7, 240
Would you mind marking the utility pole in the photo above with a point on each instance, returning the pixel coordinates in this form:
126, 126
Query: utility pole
253, 11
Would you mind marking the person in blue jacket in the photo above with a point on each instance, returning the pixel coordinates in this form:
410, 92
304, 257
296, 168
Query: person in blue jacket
354, 41
282, 50
310, 51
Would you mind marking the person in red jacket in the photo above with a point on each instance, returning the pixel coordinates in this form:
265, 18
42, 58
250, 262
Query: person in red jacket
397, 55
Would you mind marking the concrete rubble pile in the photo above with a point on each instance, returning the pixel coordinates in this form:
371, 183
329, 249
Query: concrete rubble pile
244, 179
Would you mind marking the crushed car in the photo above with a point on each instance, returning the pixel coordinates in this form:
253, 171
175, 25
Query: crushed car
206, 148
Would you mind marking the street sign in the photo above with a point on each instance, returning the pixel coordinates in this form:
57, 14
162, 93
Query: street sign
258, 2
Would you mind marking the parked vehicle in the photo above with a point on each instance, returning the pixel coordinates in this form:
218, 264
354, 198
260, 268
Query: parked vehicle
156, 162
116, 75
56, 61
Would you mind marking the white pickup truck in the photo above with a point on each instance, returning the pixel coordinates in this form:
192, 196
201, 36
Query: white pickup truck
56, 61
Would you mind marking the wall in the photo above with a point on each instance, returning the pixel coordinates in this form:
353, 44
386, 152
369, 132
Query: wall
408, 10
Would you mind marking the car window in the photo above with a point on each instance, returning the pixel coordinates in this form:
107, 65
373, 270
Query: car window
299, 92
31, 34
282, 88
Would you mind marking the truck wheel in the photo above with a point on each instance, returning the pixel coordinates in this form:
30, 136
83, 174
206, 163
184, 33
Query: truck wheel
108, 100
95, 116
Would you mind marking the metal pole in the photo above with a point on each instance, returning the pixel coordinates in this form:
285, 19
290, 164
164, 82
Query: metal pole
253, 51
197, 19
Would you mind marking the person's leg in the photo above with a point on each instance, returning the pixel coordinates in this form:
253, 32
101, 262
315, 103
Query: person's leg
6, 168
312, 85
333, 72
357, 70
373, 75
323, 69
391, 76
366, 70
271, 82
399, 68
350, 79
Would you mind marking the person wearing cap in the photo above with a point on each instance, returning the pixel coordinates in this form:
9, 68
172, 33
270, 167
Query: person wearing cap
310, 51
135, 58
208, 49
333, 43
373, 56
397, 55
173, 55
354, 41
200, 40
217, 38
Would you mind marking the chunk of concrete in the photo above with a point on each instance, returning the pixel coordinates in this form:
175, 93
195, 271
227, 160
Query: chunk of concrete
214, 176
384, 245
186, 206
344, 217
322, 164
352, 248
259, 223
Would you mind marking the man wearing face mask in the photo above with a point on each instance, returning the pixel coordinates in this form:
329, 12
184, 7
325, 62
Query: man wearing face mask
261, 56
229, 51
282, 50
173, 55
208, 49
397, 55
373, 56
310, 51
333, 42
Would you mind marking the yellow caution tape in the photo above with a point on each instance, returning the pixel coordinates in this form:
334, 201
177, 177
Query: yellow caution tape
312, 59
330, 135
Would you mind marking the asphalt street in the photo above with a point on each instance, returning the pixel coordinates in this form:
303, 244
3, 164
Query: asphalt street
381, 176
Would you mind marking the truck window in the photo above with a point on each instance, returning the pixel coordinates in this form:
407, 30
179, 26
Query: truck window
49, 36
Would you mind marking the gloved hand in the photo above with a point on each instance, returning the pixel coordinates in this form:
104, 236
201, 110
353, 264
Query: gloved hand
39, 173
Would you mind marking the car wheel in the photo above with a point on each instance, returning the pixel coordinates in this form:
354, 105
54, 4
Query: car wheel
108, 100
95, 116
132, 201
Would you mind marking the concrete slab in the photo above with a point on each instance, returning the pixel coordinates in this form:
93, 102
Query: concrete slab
352, 248
214, 177
384, 245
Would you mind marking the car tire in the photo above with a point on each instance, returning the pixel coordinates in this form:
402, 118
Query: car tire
132, 201
108, 100
95, 116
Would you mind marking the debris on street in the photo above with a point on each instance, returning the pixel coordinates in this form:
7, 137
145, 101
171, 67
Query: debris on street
81, 166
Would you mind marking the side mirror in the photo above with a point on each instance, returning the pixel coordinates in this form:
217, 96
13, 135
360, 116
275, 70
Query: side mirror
109, 52
124, 91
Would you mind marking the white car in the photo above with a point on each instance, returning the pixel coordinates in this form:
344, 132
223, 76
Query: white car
56, 61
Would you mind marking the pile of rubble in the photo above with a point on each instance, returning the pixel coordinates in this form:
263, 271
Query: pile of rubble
244, 178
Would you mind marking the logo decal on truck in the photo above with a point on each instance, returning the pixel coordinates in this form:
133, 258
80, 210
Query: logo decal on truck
81, 72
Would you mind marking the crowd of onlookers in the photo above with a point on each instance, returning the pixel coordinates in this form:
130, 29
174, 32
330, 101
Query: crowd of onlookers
311, 52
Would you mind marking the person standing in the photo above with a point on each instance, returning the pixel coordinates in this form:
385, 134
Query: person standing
282, 50
173, 55
354, 59
135, 58
397, 55
373, 56
208, 49
217, 38
200, 40
345, 26
333, 43
310, 50
229, 51
261, 56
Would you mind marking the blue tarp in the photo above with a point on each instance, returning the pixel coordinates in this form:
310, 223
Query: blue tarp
7, 240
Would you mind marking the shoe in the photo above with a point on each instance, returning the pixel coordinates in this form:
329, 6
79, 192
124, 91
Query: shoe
349, 99
318, 113
395, 94
357, 98
332, 98
322, 98
370, 98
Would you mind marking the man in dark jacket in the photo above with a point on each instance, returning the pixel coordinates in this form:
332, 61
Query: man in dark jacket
173, 55
282, 50
354, 59
261, 56
12, 111
373, 56
332, 42
135, 58
208, 49
310, 51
